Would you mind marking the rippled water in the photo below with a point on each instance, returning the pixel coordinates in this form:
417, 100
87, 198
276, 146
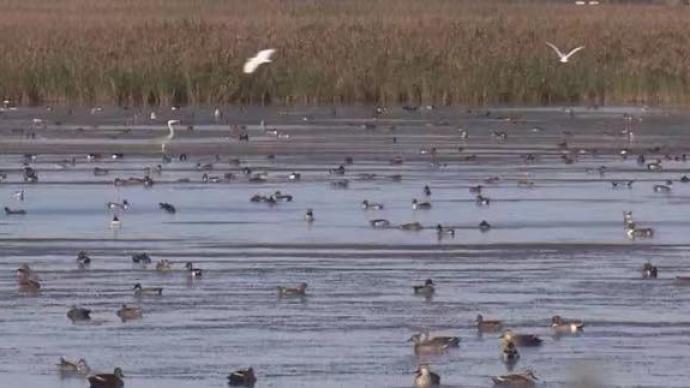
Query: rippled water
556, 248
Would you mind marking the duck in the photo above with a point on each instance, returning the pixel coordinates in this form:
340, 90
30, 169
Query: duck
426, 289
412, 226
425, 378
19, 195
634, 232
340, 184
662, 189
476, 189
141, 258
484, 226
77, 314
337, 171
482, 200
421, 346
83, 259
521, 339
29, 285
445, 231
380, 223
14, 212
193, 272
127, 313
279, 196
427, 191
559, 326
649, 271
309, 216
684, 179
524, 379
416, 205
115, 223
300, 290
242, 377
79, 367
168, 208
509, 353
163, 266
118, 206
142, 291
487, 326
366, 205
425, 337
295, 176
106, 380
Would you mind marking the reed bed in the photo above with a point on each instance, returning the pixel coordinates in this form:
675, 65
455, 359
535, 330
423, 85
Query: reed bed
163, 52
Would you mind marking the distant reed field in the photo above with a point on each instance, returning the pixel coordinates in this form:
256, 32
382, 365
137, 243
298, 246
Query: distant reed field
155, 52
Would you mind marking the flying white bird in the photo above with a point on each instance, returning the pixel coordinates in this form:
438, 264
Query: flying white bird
564, 57
263, 56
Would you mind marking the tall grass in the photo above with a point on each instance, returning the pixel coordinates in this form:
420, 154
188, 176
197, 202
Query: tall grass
133, 52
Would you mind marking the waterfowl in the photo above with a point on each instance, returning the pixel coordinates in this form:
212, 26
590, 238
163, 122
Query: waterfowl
649, 271
118, 206
416, 205
142, 291
349, 160
25, 272
476, 189
168, 208
141, 258
634, 232
300, 290
484, 226
127, 313
521, 339
412, 226
492, 180
30, 175
380, 223
83, 259
97, 171
79, 367
366, 205
242, 377
193, 272
337, 171
485, 326
106, 380
425, 378
340, 184
445, 231
295, 176
425, 337
14, 212
279, 196
482, 200
76, 314
117, 155
662, 189
525, 183
654, 166
684, 179
115, 223
19, 195
163, 266
427, 191
524, 379
427, 289
509, 353
309, 216
500, 135
29, 285
559, 326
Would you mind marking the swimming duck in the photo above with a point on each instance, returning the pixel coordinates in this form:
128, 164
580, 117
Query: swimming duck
662, 189
19, 195
524, 379
509, 353
79, 367
76, 314
14, 212
366, 205
142, 291
445, 231
484, 226
521, 339
337, 171
654, 166
117, 205
163, 266
649, 271
427, 289
115, 223
684, 179
141, 258
309, 216
29, 285
634, 232
412, 226
485, 326
106, 380
427, 191
242, 377
425, 378
168, 208
340, 184
482, 200
127, 313
279, 196
476, 189
492, 180
380, 223
193, 272
559, 326
83, 259
300, 290
416, 205
425, 337
295, 176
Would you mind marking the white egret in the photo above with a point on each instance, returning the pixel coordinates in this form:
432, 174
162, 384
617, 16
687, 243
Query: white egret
564, 57
171, 135
263, 56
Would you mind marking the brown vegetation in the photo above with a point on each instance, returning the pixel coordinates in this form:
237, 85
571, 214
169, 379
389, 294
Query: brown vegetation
375, 51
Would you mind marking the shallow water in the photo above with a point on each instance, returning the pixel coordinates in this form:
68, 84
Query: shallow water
558, 247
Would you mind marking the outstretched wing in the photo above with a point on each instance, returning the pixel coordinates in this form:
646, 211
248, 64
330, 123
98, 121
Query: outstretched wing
574, 51
553, 46
265, 55
262, 56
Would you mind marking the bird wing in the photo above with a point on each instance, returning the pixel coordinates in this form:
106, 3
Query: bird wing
574, 51
262, 56
265, 55
553, 46
251, 65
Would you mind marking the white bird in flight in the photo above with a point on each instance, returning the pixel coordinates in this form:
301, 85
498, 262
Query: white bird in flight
263, 56
564, 57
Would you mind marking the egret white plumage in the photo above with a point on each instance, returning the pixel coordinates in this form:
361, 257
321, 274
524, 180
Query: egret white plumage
263, 56
564, 57
171, 135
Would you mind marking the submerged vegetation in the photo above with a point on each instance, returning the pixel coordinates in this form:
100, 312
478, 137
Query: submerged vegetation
136, 52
